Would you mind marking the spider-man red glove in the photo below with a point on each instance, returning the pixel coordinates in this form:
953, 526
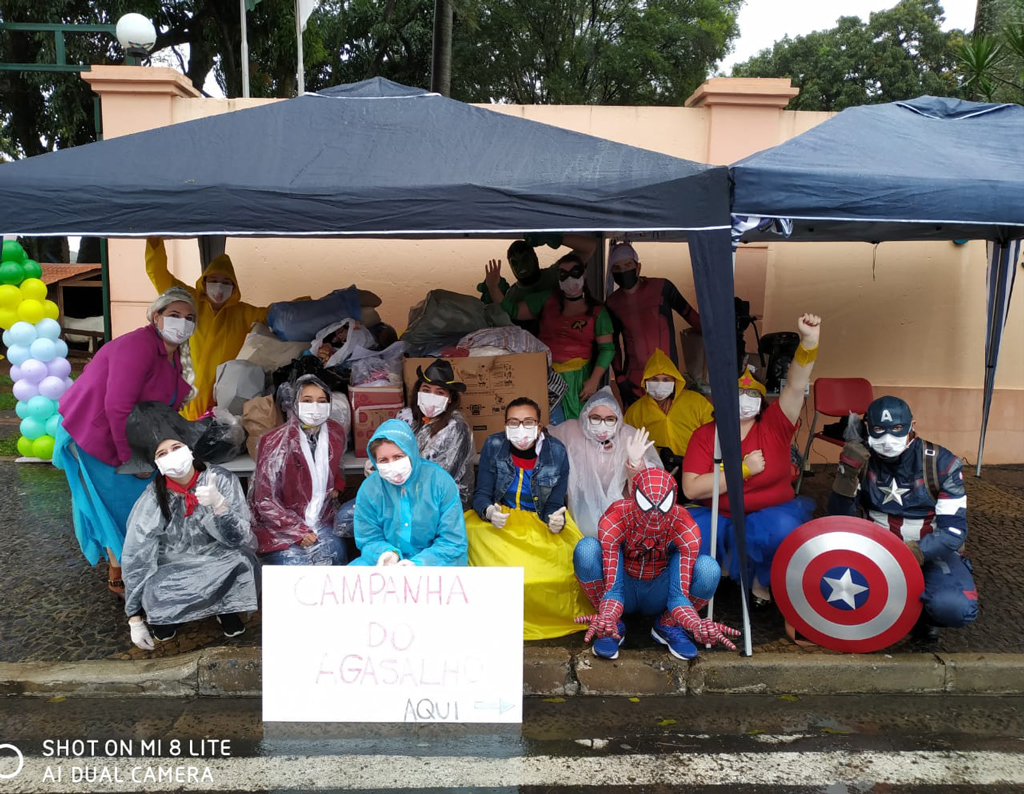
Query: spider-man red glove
703, 630
605, 623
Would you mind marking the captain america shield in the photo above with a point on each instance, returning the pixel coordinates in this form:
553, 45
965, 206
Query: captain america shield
847, 584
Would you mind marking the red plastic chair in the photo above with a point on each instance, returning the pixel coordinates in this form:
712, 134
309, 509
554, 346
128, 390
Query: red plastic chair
836, 397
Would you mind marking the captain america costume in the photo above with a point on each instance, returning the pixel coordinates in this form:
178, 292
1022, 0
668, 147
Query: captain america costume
647, 559
894, 494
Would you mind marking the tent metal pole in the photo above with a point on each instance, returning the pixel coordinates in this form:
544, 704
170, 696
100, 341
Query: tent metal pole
715, 488
301, 73
245, 51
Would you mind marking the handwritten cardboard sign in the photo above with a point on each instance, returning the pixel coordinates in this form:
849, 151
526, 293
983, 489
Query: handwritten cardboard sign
392, 644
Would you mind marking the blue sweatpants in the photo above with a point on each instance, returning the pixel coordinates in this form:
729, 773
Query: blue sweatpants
950, 596
648, 596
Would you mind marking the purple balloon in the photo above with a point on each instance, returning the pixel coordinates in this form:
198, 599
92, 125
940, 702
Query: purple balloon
15, 372
25, 390
34, 371
52, 387
58, 367
68, 382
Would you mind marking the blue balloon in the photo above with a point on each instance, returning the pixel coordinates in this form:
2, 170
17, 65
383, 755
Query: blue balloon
62, 348
18, 354
51, 425
23, 334
48, 329
21, 409
7, 339
43, 349
32, 428
41, 408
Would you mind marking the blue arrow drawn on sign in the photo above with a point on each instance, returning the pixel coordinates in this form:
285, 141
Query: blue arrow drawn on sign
501, 706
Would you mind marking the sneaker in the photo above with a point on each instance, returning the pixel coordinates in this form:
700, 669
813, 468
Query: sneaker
608, 647
163, 633
231, 624
675, 639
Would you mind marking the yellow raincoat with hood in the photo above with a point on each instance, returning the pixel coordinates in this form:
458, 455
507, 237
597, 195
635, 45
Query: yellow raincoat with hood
689, 409
219, 335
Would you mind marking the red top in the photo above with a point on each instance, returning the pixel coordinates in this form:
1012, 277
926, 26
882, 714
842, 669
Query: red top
773, 435
568, 337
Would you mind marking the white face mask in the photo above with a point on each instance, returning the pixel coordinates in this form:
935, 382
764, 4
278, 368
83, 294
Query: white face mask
749, 406
431, 404
888, 445
177, 329
176, 464
218, 293
313, 414
660, 390
522, 437
396, 472
572, 287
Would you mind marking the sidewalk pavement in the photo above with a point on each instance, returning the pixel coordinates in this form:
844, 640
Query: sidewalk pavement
63, 633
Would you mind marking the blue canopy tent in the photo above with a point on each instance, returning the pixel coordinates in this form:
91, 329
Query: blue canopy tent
926, 169
378, 159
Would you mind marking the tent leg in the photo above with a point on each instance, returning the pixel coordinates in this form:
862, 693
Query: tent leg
716, 468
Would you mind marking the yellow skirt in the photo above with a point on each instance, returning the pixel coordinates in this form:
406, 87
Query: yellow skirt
551, 595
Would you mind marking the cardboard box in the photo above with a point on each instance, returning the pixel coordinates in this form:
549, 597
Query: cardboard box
371, 407
492, 382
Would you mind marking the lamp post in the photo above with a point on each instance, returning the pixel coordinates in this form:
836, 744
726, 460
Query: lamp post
137, 35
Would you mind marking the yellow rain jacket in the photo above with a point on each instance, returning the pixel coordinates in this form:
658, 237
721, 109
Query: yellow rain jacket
219, 335
689, 409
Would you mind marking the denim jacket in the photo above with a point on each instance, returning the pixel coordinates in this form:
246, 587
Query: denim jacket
497, 472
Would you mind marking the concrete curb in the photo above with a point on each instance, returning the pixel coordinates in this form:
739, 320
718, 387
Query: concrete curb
558, 672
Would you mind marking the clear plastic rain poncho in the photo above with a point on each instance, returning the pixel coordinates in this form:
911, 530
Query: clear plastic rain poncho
297, 479
358, 339
193, 566
597, 469
451, 448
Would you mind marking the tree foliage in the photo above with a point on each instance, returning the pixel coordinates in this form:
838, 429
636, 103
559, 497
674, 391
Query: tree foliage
992, 60
898, 54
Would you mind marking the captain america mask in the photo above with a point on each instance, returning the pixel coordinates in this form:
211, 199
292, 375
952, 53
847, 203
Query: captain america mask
888, 416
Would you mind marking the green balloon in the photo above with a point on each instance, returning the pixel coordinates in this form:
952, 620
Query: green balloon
11, 273
25, 447
42, 447
31, 269
13, 252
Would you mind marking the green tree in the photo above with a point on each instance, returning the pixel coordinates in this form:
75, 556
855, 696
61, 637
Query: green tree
992, 60
898, 54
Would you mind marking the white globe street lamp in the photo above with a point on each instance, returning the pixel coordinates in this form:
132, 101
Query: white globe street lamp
136, 34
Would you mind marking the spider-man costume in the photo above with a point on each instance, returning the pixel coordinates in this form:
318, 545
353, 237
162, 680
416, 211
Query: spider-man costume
646, 559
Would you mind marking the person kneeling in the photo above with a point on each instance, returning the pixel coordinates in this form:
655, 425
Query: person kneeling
189, 551
646, 559
914, 489
294, 496
519, 519
407, 510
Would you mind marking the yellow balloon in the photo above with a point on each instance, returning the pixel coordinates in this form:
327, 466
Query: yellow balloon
8, 317
30, 311
33, 289
10, 296
51, 310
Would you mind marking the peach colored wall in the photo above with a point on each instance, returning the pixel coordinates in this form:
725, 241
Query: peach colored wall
907, 316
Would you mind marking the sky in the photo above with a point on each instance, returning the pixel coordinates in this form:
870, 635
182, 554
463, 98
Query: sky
763, 22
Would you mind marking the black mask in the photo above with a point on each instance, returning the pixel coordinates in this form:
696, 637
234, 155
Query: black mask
626, 279
575, 272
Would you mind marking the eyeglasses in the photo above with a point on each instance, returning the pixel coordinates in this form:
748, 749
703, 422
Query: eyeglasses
607, 421
517, 423
575, 272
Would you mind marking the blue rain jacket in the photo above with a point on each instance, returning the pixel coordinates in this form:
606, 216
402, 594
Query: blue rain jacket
421, 519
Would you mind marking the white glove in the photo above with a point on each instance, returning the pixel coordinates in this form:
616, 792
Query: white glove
140, 634
209, 496
495, 515
368, 468
637, 448
387, 558
556, 521
405, 564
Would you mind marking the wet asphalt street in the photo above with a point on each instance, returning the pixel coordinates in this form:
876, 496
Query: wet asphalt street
831, 745
56, 608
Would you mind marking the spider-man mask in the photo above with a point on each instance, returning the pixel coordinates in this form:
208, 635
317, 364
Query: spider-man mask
650, 513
